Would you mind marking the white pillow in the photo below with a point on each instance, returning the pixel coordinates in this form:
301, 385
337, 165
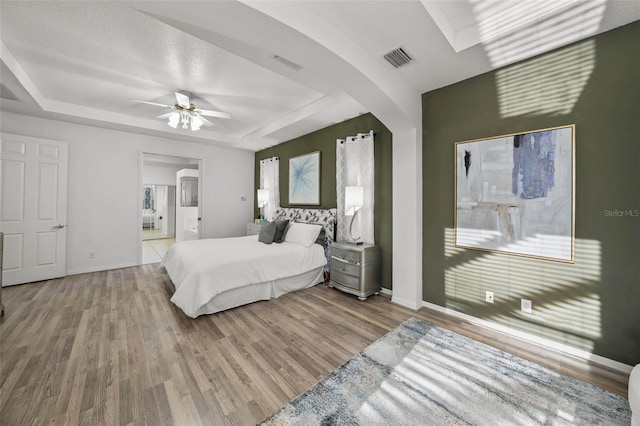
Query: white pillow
302, 233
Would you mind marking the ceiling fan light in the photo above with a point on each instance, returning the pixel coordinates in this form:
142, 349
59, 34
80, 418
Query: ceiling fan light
174, 119
196, 123
186, 114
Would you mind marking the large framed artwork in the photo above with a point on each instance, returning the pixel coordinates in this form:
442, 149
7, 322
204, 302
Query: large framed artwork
515, 194
304, 179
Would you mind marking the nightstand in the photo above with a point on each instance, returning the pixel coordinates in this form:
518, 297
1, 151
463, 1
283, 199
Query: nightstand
253, 228
355, 269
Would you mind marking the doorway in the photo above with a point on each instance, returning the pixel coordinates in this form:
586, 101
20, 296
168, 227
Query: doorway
158, 211
158, 221
161, 214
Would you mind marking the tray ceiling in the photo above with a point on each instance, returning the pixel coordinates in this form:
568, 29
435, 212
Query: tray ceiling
281, 69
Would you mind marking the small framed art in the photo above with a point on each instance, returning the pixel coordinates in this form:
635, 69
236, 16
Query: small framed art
304, 179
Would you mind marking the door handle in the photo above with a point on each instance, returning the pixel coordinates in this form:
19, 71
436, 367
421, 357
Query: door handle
57, 226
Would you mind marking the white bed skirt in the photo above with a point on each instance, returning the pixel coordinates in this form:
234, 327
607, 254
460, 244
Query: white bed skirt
261, 291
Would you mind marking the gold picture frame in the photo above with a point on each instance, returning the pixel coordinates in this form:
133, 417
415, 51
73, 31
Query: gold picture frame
515, 194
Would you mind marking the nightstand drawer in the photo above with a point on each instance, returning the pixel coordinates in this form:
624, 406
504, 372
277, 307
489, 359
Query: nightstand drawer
344, 267
348, 255
345, 279
355, 268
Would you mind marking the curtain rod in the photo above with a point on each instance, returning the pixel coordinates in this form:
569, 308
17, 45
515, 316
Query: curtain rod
360, 135
269, 159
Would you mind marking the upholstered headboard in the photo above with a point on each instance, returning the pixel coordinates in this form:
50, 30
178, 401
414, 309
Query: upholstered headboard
324, 217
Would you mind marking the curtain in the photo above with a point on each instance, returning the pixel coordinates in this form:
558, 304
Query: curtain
270, 180
355, 167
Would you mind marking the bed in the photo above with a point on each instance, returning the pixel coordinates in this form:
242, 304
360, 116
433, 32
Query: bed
148, 218
212, 275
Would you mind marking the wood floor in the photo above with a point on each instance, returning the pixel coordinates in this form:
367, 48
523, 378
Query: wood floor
109, 348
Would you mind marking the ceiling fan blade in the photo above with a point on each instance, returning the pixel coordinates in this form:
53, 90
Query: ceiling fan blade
218, 114
183, 100
151, 103
206, 122
167, 115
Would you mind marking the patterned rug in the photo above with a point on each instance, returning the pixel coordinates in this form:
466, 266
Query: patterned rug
421, 374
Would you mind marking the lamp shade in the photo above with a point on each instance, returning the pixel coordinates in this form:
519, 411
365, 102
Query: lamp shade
263, 197
353, 199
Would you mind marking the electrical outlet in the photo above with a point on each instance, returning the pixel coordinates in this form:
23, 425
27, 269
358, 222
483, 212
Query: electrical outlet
488, 296
92, 254
526, 306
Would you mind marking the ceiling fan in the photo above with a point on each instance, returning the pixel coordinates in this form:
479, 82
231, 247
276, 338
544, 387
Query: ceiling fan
186, 113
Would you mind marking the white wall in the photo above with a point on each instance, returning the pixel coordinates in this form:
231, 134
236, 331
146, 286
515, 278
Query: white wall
104, 188
407, 218
160, 174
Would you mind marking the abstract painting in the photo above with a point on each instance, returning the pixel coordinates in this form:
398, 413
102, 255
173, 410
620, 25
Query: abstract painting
515, 194
304, 179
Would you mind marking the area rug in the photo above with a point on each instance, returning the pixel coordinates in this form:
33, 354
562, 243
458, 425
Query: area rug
422, 374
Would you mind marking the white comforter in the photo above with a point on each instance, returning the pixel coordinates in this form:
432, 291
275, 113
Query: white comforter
202, 269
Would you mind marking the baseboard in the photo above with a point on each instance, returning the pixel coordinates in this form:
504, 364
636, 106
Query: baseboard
386, 292
99, 269
411, 304
578, 353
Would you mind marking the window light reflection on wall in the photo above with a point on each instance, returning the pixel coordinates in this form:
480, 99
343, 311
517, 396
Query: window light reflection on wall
512, 31
566, 303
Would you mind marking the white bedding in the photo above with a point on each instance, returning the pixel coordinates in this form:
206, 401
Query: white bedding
203, 269
148, 217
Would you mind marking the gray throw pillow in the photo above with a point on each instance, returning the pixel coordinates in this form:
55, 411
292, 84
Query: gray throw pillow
322, 238
267, 232
281, 228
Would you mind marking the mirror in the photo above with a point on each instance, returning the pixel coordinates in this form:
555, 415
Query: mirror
189, 191
158, 211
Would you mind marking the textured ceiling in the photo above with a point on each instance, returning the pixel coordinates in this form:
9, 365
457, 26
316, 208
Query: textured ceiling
84, 61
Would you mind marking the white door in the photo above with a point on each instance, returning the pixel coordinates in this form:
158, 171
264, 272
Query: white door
33, 208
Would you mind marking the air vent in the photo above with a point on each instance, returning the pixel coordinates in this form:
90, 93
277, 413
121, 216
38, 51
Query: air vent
398, 57
287, 63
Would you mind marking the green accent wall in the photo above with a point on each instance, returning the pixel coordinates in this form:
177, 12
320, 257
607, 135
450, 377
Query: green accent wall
324, 140
593, 304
